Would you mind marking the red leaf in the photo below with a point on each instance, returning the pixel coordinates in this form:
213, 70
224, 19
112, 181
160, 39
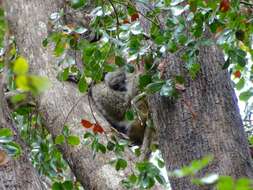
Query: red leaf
86, 123
134, 17
126, 21
224, 5
237, 74
219, 29
98, 129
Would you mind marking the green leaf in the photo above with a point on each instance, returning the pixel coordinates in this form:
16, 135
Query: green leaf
88, 135
129, 68
59, 139
38, 84
73, 140
172, 46
129, 115
35, 84
240, 84
144, 80
154, 87
57, 186
193, 69
82, 84
251, 140
68, 185
45, 42
65, 131
193, 168
22, 83
21, 66
63, 75
119, 61
226, 64
179, 79
110, 145
132, 178
245, 96
161, 163
225, 183
12, 149
18, 98
101, 148
131, 10
244, 184
110, 67
60, 48
120, 164
160, 179
77, 3
5, 132
147, 182
137, 152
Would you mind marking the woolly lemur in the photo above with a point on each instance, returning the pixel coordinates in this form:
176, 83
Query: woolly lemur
113, 98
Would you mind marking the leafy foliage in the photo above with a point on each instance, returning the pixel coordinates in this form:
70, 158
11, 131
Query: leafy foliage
114, 37
7, 143
120, 41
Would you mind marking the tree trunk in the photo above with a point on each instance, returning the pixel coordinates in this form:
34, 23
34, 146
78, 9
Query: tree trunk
204, 120
28, 22
16, 174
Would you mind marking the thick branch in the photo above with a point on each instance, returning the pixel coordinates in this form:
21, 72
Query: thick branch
28, 21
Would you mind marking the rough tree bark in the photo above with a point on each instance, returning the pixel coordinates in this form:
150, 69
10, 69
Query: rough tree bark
28, 21
217, 128
16, 174
205, 120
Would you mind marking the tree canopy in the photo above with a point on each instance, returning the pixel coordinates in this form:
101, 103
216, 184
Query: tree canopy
91, 38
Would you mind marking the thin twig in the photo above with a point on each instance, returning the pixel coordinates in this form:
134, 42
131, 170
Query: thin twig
158, 25
117, 17
89, 100
126, 5
71, 110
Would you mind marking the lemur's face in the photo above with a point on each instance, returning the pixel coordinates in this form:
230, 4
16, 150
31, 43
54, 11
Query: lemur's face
116, 81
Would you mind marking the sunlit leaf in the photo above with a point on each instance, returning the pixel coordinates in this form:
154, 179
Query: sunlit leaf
59, 139
73, 140
20, 66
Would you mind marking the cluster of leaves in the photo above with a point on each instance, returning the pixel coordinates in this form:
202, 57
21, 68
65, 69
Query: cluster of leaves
146, 176
123, 45
147, 173
26, 82
44, 155
7, 144
121, 41
43, 152
124, 40
220, 182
